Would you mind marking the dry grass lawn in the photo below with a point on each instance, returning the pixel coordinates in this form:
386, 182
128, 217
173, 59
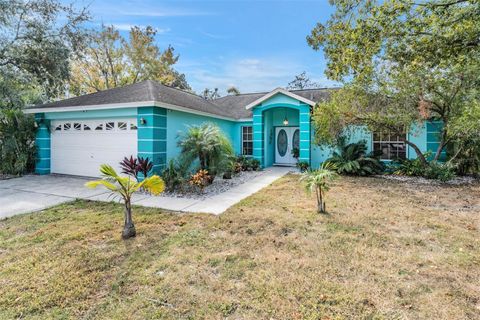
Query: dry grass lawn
387, 250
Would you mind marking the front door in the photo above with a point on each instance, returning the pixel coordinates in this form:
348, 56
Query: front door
287, 139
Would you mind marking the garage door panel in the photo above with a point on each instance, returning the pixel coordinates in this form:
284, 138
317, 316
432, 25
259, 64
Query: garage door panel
79, 152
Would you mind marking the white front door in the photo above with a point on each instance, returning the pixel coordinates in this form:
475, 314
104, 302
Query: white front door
79, 147
286, 139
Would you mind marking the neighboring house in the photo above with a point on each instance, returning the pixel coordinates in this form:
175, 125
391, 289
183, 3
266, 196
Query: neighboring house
144, 119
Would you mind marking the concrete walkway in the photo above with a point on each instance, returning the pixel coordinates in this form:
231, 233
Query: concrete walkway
35, 193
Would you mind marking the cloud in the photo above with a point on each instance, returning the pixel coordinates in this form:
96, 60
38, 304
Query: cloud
128, 27
250, 74
145, 9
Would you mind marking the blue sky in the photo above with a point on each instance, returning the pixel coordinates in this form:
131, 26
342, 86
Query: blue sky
253, 45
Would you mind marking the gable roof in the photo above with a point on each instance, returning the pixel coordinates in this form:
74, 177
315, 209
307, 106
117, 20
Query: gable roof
149, 93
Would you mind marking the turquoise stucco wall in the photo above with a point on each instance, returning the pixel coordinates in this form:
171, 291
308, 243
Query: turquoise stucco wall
152, 136
178, 122
43, 145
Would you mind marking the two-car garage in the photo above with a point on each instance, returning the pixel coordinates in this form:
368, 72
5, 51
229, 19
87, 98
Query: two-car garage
79, 147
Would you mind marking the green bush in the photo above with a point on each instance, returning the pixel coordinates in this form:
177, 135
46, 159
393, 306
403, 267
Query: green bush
409, 167
439, 171
353, 160
255, 164
302, 165
17, 142
175, 175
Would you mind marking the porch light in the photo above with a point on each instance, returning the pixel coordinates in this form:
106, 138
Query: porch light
285, 121
143, 121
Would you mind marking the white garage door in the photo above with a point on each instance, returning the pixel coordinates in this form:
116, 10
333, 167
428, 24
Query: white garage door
80, 147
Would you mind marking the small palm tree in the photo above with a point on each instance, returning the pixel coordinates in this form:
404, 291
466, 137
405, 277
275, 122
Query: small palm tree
318, 181
209, 145
125, 187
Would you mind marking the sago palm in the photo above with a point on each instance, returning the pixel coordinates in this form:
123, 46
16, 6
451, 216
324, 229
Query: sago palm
125, 187
318, 182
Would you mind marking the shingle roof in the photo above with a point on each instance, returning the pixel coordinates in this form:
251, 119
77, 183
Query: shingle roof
228, 106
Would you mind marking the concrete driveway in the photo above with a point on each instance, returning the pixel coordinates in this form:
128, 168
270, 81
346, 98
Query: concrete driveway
35, 193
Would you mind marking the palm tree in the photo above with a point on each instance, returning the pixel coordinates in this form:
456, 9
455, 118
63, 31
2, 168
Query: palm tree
209, 145
125, 187
318, 181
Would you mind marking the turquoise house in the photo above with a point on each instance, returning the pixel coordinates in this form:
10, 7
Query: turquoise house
76, 135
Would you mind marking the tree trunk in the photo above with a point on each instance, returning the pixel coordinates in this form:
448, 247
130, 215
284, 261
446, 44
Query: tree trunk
129, 228
418, 152
320, 203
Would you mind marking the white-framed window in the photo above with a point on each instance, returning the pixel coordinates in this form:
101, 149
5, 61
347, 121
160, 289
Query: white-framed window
247, 140
390, 145
98, 126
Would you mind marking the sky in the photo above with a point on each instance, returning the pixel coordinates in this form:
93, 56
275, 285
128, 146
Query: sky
252, 45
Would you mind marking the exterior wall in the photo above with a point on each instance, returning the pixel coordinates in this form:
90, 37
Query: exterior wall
270, 114
424, 135
42, 142
178, 122
152, 136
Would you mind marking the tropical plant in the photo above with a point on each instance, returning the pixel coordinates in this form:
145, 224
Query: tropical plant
433, 170
318, 182
201, 179
296, 153
352, 160
207, 144
303, 166
125, 187
136, 166
144, 166
17, 142
439, 171
255, 164
408, 167
174, 175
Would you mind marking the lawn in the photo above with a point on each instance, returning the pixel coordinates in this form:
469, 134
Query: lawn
387, 250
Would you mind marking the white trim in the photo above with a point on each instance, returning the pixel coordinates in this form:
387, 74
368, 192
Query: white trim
130, 105
151, 114
283, 91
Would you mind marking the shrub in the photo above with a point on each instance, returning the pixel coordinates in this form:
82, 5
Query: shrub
17, 142
303, 166
255, 164
201, 179
207, 144
439, 171
296, 153
352, 160
409, 167
174, 176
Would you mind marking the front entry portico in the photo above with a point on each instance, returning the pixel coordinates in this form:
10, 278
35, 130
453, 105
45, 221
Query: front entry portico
281, 118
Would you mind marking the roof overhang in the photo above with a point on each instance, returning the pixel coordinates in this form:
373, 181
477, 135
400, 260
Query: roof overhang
282, 91
129, 105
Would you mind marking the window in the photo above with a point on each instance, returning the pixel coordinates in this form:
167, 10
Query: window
109, 126
122, 126
389, 145
58, 128
86, 127
99, 127
247, 141
77, 126
67, 126
133, 126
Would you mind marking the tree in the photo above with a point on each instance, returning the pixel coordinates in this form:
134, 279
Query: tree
112, 61
233, 91
302, 81
318, 182
37, 39
209, 94
402, 62
125, 187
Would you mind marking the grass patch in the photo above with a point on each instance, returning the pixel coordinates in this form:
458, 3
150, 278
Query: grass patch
414, 254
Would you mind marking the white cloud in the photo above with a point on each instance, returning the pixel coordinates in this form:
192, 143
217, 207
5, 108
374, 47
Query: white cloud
128, 27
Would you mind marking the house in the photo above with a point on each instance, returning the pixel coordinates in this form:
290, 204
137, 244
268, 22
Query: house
144, 119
